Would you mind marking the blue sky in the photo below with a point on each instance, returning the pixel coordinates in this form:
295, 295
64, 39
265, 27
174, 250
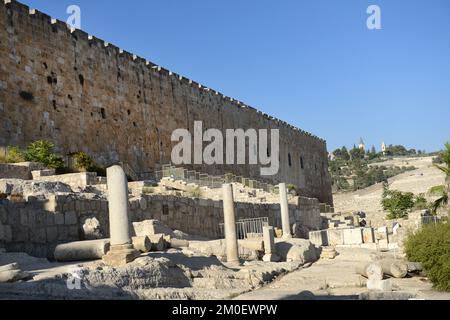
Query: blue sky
312, 63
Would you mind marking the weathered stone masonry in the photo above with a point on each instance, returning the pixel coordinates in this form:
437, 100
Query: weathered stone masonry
87, 95
37, 226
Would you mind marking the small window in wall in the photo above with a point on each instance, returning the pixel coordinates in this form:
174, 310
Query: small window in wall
103, 112
302, 165
165, 210
289, 160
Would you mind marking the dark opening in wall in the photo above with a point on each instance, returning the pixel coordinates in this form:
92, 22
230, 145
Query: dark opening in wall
102, 111
315, 166
289, 160
54, 104
301, 163
44, 64
268, 152
70, 97
25, 95
128, 111
49, 80
134, 124
81, 78
165, 209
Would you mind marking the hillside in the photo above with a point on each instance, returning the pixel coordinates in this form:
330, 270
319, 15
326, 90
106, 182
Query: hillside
368, 199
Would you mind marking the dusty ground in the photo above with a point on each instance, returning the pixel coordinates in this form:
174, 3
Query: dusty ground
337, 280
174, 274
368, 200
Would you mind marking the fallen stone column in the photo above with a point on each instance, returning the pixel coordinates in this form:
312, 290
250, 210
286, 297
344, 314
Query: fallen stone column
157, 242
143, 244
230, 224
12, 273
122, 251
9, 267
82, 250
178, 243
394, 268
284, 207
372, 271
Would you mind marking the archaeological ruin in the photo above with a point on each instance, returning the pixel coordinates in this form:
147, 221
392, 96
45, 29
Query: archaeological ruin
146, 228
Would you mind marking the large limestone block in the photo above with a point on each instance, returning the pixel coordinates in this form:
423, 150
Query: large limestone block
335, 237
379, 285
252, 244
296, 250
150, 228
368, 235
82, 250
353, 236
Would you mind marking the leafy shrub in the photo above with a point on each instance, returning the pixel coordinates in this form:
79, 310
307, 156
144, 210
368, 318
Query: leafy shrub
14, 155
42, 151
397, 203
420, 203
431, 247
83, 161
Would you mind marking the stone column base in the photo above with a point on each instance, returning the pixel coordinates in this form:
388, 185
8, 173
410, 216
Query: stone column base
120, 255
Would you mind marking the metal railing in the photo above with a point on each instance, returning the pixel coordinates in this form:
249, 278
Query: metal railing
429, 220
248, 228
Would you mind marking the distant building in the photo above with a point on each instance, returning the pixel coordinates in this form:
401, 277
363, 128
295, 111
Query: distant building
362, 145
383, 148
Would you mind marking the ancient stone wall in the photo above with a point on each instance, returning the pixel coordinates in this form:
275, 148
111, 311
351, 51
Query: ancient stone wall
37, 226
75, 180
85, 94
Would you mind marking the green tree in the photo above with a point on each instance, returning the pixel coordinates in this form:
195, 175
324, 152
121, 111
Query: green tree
42, 151
396, 202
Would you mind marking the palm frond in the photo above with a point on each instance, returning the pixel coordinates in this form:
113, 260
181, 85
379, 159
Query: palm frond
445, 170
442, 201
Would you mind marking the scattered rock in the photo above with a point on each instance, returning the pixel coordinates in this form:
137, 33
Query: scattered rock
92, 229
